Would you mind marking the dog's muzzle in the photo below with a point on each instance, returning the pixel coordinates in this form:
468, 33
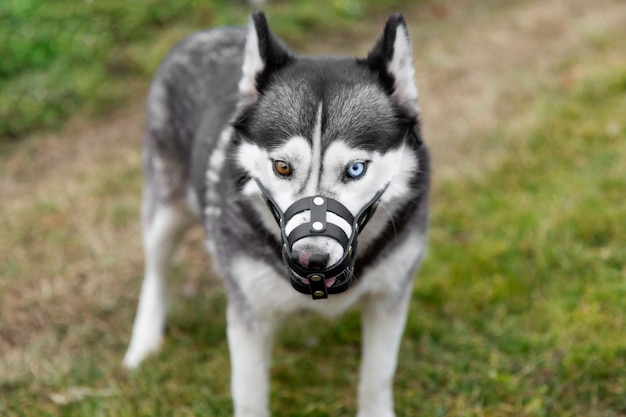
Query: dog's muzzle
338, 277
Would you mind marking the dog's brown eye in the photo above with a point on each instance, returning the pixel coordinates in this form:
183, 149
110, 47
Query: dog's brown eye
282, 168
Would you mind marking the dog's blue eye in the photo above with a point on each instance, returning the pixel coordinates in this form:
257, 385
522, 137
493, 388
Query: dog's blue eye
356, 169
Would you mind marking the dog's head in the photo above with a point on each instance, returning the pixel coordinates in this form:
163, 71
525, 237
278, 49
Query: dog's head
341, 129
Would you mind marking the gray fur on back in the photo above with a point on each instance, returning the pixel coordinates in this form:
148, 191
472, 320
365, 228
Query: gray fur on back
192, 98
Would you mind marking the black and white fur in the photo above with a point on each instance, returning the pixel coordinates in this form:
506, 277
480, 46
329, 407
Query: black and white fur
223, 106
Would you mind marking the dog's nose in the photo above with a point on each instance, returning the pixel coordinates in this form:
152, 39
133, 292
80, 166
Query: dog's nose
313, 261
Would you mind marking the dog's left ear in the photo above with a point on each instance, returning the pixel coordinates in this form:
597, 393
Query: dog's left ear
264, 53
392, 59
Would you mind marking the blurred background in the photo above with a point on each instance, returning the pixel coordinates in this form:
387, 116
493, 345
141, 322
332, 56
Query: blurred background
518, 309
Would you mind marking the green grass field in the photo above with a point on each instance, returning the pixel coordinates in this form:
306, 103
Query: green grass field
66, 56
521, 301
519, 308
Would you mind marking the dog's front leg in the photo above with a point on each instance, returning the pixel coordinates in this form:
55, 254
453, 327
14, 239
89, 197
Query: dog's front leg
250, 341
383, 325
162, 232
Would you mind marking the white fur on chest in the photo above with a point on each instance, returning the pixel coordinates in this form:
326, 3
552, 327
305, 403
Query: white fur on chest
271, 296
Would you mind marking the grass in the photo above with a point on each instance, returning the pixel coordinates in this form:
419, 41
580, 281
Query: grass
65, 56
527, 271
518, 310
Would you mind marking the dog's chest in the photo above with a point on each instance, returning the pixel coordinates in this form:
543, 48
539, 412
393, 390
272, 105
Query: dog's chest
270, 294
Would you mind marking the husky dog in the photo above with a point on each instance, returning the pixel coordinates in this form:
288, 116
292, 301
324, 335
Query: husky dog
284, 159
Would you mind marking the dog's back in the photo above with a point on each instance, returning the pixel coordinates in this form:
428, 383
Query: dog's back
192, 98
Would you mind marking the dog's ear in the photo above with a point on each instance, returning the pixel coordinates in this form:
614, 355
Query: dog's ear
264, 54
392, 59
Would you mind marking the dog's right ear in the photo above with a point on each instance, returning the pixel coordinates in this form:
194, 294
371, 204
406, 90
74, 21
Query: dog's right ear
264, 54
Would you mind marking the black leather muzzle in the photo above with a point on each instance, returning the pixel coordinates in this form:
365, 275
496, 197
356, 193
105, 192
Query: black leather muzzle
314, 282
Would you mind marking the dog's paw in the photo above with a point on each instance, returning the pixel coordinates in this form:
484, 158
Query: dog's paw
137, 352
132, 359
379, 413
376, 412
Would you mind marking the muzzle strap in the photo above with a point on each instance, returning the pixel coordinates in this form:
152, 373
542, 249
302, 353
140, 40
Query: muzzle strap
308, 230
330, 205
